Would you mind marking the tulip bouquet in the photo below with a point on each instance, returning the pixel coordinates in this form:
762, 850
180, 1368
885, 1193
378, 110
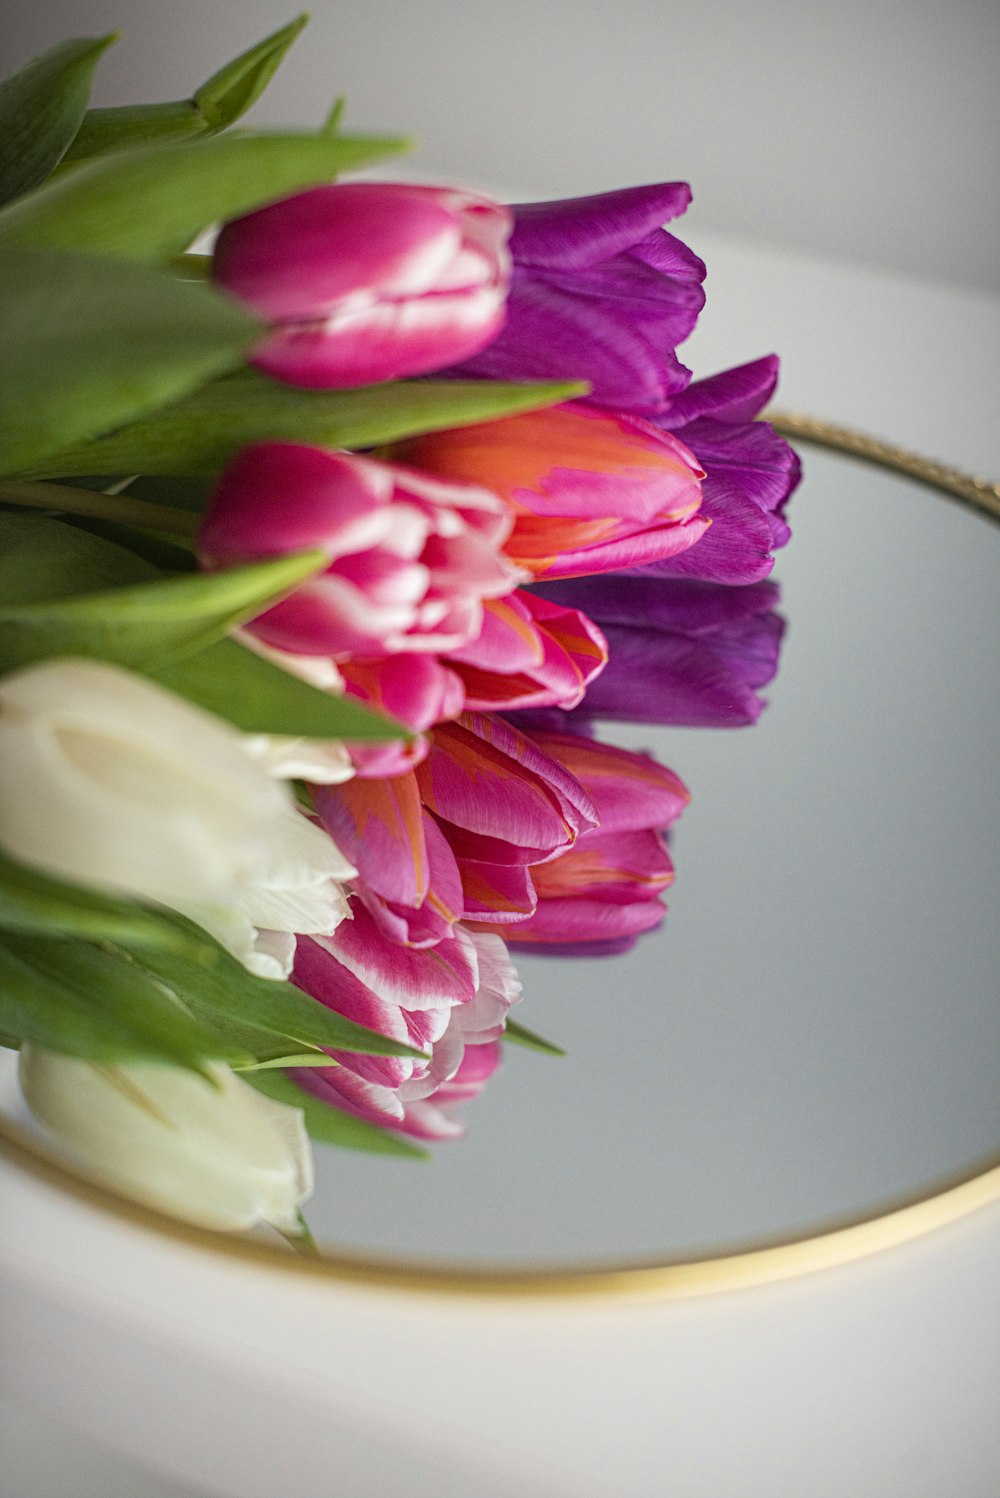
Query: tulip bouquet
324, 547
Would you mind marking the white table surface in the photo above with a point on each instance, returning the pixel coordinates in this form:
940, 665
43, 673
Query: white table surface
878, 1378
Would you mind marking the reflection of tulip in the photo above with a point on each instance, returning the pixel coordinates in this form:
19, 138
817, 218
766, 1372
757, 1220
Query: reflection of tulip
112, 781
750, 474
451, 1000
680, 651
592, 491
369, 281
530, 653
600, 292
455, 838
411, 558
214, 1152
603, 892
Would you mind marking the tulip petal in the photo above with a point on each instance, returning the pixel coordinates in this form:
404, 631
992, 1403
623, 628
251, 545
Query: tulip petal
413, 978
379, 825
576, 233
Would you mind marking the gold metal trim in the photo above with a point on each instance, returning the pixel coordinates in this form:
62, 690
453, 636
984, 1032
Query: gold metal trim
742, 1267
978, 493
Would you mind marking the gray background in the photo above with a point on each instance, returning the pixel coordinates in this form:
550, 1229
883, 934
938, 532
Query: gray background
866, 129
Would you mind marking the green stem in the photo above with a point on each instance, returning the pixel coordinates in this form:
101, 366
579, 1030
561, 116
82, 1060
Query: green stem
149, 517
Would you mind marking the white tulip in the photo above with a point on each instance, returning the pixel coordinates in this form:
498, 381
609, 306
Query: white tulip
222, 1156
110, 780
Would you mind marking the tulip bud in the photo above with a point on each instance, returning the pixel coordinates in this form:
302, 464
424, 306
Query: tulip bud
591, 490
411, 558
111, 781
369, 281
213, 1152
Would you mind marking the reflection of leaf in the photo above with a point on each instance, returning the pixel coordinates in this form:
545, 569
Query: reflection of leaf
150, 203
521, 1035
329, 1125
86, 346
220, 102
260, 697
94, 1002
198, 434
41, 107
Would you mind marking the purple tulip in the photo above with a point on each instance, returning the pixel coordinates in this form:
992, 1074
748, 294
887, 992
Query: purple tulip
369, 281
600, 292
680, 650
750, 475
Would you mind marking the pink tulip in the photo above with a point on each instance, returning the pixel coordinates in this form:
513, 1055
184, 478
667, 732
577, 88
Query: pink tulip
411, 557
451, 1001
369, 281
591, 490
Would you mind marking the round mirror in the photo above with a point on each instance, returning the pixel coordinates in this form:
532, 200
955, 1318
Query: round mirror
813, 1035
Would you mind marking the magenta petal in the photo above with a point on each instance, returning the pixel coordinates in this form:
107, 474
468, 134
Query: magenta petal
497, 893
412, 978
379, 826
504, 800
563, 920
343, 1089
629, 790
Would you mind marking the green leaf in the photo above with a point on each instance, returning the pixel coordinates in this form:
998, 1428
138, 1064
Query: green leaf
259, 697
521, 1035
315, 1059
221, 101
198, 434
149, 204
42, 559
86, 346
95, 1003
231, 91
148, 624
41, 107
227, 993
31, 901
328, 1125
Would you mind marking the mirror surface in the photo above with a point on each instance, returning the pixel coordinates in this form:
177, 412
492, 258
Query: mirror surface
814, 1033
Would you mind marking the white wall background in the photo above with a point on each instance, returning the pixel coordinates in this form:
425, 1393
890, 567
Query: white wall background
863, 129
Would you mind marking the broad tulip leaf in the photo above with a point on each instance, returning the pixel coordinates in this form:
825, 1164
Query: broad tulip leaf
41, 107
220, 102
149, 624
87, 1001
150, 203
521, 1035
227, 991
31, 901
43, 559
259, 697
198, 434
86, 346
328, 1125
